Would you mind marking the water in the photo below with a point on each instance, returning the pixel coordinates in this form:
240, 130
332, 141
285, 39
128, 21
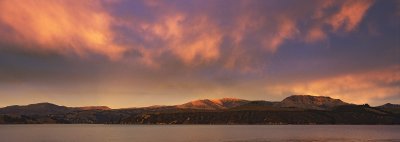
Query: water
198, 133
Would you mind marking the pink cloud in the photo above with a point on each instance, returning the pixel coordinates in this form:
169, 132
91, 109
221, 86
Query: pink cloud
194, 37
286, 30
315, 34
349, 15
78, 27
354, 87
192, 40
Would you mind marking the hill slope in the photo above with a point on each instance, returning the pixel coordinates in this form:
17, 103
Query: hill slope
311, 102
215, 104
298, 109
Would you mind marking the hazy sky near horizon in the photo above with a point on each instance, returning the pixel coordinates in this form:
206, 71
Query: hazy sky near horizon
124, 53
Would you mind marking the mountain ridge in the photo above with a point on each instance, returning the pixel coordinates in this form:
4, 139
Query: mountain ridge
295, 109
311, 102
297, 101
223, 103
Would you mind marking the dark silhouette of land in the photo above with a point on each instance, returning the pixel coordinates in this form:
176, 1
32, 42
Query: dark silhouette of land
297, 109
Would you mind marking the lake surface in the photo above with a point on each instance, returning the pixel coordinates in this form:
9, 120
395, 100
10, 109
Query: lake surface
198, 133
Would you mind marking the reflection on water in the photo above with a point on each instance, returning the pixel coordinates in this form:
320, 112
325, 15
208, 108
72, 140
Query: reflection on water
198, 133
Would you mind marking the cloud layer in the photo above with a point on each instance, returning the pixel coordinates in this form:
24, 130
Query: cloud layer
192, 36
358, 88
81, 27
199, 49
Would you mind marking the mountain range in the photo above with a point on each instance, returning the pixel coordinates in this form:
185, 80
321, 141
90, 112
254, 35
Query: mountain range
296, 109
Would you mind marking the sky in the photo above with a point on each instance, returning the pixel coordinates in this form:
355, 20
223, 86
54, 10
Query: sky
123, 53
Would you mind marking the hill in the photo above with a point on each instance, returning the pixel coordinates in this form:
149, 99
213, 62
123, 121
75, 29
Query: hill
297, 109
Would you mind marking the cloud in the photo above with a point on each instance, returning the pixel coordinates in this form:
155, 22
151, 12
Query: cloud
198, 49
238, 36
315, 34
398, 8
192, 39
337, 15
358, 88
78, 27
286, 29
349, 15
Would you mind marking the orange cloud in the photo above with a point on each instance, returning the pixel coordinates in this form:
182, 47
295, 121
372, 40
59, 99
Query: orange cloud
80, 27
246, 23
349, 15
286, 30
357, 87
240, 60
84, 27
315, 34
192, 40
204, 44
279, 30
